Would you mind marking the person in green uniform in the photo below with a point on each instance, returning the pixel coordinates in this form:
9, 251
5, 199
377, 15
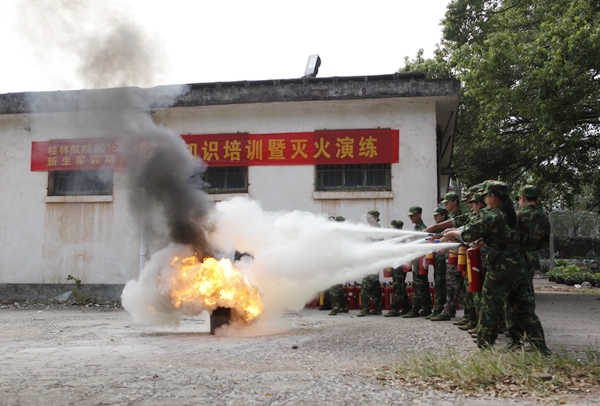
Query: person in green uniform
400, 300
454, 279
506, 279
439, 274
370, 287
421, 302
534, 232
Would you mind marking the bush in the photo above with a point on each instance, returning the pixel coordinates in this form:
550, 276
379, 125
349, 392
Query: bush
575, 272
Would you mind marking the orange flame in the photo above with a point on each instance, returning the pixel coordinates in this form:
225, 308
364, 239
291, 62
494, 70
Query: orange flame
212, 284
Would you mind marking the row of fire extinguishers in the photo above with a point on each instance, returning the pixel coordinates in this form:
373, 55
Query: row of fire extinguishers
467, 261
354, 300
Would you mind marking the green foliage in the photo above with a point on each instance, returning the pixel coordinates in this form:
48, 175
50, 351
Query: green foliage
77, 281
530, 107
571, 272
82, 298
79, 295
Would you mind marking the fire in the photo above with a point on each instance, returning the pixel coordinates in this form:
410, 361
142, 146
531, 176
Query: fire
211, 284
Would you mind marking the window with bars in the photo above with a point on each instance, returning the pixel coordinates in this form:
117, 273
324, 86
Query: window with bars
354, 177
226, 179
80, 183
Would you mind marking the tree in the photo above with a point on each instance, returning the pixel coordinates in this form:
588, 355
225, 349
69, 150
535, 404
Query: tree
530, 107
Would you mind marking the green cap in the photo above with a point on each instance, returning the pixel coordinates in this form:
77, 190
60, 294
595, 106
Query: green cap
498, 188
471, 192
415, 210
373, 213
451, 196
396, 224
530, 192
440, 210
340, 219
473, 189
477, 197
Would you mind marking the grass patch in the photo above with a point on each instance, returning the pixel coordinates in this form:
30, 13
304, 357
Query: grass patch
501, 374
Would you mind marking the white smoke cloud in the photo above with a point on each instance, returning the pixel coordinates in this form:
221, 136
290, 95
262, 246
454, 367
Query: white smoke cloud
294, 255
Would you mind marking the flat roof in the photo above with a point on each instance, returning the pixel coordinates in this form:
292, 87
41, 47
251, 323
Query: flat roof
396, 85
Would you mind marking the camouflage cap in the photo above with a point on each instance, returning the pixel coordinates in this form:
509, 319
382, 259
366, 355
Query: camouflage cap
471, 192
440, 210
529, 191
396, 224
451, 196
497, 188
477, 197
473, 189
340, 218
415, 210
373, 213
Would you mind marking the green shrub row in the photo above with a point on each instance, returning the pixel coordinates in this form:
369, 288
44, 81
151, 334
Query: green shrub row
572, 272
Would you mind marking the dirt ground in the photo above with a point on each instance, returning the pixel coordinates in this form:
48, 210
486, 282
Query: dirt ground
97, 356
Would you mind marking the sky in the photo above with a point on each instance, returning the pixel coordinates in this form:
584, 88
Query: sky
47, 43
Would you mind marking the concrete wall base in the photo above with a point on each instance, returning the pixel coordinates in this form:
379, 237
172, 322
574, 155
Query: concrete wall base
14, 292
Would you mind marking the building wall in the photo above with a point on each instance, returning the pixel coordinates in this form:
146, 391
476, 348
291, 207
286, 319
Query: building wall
414, 178
43, 239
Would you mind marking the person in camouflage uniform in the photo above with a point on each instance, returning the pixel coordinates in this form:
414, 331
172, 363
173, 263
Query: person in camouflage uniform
454, 279
421, 302
534, 227
439, 274
339, 302
506, 280
478, 206
400, 301
534, 231
370, 287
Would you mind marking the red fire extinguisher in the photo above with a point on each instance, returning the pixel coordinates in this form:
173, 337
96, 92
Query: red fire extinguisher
432, 293
351, 297
461, 266
358, 297
475, 277
423, 268
430, 258
411, 292
453, 257
385, 299
407, 268
388, 272
390, 296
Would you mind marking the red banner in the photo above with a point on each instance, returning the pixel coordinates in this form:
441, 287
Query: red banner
88, 153
304, 148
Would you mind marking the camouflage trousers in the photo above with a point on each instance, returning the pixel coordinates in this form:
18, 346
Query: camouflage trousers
399, 295
512, 325
370, 288
454, 287
422, 296
506, 283
470, 309
439, 282
338, 299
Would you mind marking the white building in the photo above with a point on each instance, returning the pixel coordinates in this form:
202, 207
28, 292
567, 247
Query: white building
390, 145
